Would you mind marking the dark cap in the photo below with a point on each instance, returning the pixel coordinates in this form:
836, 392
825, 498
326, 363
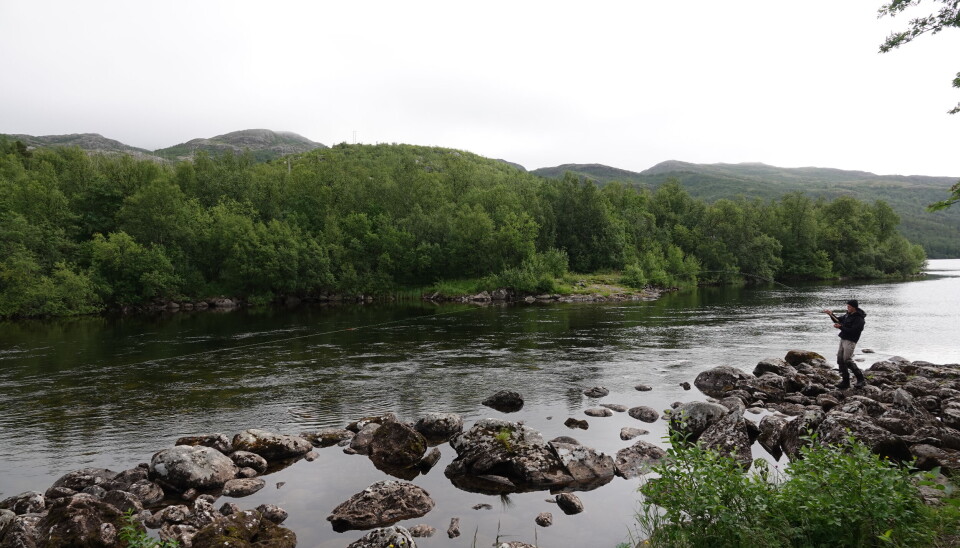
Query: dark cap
853, 303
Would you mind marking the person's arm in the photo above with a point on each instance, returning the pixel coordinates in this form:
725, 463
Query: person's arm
832, 316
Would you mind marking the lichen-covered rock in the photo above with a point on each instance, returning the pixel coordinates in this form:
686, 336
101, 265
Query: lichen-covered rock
325, 437
505, 401
627, 433
644, 413
246, 529
123, 501
81, 520
28, 502
184, 467
383, 503
598, 412
271, 512
692, 418
396, 445
585, 465
796, 357
794, 433
771, 427
217, 441
596, 392
243, 487
716, 382
385, 537
439, 427
246, 459
21, 532
837, 426
422, 531
271, 446
637, 459
544, 519
360, 443
728, 436
78, 480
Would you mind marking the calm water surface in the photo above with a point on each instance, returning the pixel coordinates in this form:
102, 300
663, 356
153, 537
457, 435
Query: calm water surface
112, 391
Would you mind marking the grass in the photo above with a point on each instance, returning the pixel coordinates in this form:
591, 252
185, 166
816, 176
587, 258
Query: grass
135, 535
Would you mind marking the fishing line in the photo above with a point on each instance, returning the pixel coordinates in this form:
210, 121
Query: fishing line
752, 276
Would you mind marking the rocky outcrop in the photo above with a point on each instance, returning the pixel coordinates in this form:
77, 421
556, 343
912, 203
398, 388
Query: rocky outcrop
383, 503
496, 456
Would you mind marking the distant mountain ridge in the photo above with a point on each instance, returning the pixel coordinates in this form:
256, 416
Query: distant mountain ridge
908, 195
263, 144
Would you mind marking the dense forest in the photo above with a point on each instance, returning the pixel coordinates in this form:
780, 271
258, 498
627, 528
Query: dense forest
81, 232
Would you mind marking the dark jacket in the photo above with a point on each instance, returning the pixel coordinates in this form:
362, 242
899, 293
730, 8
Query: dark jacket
851, 325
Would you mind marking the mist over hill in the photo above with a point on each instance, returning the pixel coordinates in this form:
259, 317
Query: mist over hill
908, 195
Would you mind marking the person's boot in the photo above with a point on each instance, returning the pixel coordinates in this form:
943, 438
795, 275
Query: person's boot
845, 379
861, 382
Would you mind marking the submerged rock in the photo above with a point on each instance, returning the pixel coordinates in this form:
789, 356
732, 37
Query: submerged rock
383, 503
505, 401
246, 529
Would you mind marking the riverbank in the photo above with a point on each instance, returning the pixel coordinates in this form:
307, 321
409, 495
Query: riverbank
908, 410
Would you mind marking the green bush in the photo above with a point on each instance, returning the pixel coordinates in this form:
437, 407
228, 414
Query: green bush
836, 495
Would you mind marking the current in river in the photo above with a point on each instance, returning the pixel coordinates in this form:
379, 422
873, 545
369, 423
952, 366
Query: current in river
110, 391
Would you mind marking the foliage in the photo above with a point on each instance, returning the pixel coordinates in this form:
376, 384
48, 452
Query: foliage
79, 232
133, 534
835, 495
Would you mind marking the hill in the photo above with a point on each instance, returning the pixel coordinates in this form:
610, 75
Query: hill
264, 144
939, 232
91, 142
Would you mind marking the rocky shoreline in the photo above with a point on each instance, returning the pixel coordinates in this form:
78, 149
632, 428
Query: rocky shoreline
908, 410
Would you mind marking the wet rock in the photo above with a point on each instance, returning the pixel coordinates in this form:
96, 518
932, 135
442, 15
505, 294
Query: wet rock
569, 503
247, 472
692, 418
453, 531
243, 487
637, 459
385, 537
28, 502
78, 480
685, 385
505, 401
627, 433
643, 388
596, 392
246, 459
615, 407
325, 437
246, 529
483, 506
422, 531
360, 444
544, 519
429, 461
383, 503
583, 463
187, 467
81, 520
439, 427
583, 425
217, 441
396, 445
716, 382
644, 413
797, 357
598, 412
271, 446
273, 513
123, 501
728, 436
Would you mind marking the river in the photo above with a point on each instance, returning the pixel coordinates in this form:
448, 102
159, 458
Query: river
111, 391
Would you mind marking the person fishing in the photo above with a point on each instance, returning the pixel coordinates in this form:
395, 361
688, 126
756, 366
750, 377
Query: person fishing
850, 325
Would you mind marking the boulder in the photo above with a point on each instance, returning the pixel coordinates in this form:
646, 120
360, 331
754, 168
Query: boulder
123, 501
793, 434
775, 366
385, 537
771, 427
29, 502
184, 467
217, 441
147, 492
439, 427
637, 459
81, 520
929, 457
583, 425
643, 387
271, 446
125, 479
584, 464
596, 392
598, 412
544, 519
692, 418
796, 357
627, 433
453, 531
246, 459
569, 503
78, 480
21, 532
246, 529
716, 382
360, 443
325, 437
615, 407
422, 531
243, 487
728, 436
505, 401
644, 413
358, 425
383, 503
396, 445
273, 513
837, 426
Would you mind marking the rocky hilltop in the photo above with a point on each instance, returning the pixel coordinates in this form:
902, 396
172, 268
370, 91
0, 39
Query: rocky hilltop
90, 142
264, 144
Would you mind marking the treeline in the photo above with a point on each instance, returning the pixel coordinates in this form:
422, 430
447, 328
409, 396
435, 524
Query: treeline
80, 232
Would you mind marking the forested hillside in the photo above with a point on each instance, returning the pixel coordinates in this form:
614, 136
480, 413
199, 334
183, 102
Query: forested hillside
938, 232
82, 232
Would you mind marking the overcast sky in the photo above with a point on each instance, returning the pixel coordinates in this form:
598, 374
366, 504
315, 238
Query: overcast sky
626, 84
